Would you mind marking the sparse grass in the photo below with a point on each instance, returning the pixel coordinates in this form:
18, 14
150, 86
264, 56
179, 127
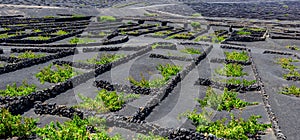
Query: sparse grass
78, 16
294, 90
76, 40
59, 74
29, 55
191, 51
13, 90
150, 14
232, 69
105, 101
237, 56
226, 101
49, 17
257, 29
103, 59
107, 19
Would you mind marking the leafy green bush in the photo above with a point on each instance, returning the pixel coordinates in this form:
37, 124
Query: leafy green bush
76, 129
234, 129
105, 101
13, 90
237, 56
103, 59
107, 19
191, 51
60, 74
76, 40
15, 125
232, 69
226, 101
28, 54
291, 90
168, 70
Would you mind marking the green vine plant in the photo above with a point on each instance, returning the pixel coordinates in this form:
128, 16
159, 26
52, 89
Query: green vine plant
191, 51
39, 38
56, 75
155, 83
105, 101
232, 69
226, 101
76, 40
14, 90
292, 90
237, 56
166, 71
76, 129
28, 55
60, 32
150, 136
292, 47
286, 63
235, 129
234, 81
243, 32
15, 125
103, 59
162, 33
